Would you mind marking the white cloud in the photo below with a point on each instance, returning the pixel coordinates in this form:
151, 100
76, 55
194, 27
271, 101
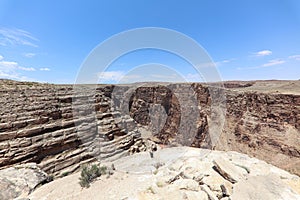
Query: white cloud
215, 64
225, 61
16, 37
296, 57
26, 68
8, 65
131, 78
273, 62
134, 78
44, 69
193, 78
29, 55
263, 53
1, 57
11, 70
219, 63
110, 76
268, 64
139, 76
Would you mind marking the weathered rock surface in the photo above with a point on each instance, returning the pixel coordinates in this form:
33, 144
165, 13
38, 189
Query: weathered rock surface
229, 172
19, 181
180, 173
60, 129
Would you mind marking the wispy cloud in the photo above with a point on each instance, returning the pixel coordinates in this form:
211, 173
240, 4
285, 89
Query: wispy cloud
44, 69
110, 76
148, 77
27, 68
132, 77
9, 65
137, 76
273, 62
16, 37
29, 55
222, 62
12, 70
226, 61
215, 64
268, 64
1, 57
263, 53
193, 78
296, 57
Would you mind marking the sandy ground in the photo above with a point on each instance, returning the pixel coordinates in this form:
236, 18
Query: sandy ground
103, 188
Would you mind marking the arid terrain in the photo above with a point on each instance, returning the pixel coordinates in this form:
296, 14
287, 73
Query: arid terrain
62, 127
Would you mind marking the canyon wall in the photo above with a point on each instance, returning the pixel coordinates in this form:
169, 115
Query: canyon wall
60, 128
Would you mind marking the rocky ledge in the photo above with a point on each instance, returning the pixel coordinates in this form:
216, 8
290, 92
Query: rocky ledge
182, 173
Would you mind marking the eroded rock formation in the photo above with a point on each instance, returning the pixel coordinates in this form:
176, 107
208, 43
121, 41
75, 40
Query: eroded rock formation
60, 129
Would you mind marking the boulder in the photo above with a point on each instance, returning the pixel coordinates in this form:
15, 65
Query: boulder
21, 180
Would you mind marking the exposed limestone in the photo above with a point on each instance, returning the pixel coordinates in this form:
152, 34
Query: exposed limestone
210, 194
135, 177
21, 180
263, 187
227, 170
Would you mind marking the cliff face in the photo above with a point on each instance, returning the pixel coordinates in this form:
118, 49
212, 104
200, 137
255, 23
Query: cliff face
266, 126
258, 121
38, 125
60, 128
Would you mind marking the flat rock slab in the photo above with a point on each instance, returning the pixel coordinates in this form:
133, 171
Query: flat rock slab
263, 187
226, 169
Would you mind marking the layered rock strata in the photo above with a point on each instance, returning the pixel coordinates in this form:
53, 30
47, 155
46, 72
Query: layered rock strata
60, 128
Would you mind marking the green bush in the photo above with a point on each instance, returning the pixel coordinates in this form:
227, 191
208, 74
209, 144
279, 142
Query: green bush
65, 174
103, 170
89, 174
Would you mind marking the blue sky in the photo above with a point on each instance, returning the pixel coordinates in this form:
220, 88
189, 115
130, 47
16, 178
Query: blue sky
47, 41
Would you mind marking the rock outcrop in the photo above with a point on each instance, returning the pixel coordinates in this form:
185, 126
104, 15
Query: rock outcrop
182, 173
38, 125
19, 181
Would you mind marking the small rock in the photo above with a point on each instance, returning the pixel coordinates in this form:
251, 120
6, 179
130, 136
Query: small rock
226, 190
209, 193
199, 195
225, 198
227, 170
186, 184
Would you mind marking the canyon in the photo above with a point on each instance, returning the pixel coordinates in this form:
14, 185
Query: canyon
62, 127
49, 131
